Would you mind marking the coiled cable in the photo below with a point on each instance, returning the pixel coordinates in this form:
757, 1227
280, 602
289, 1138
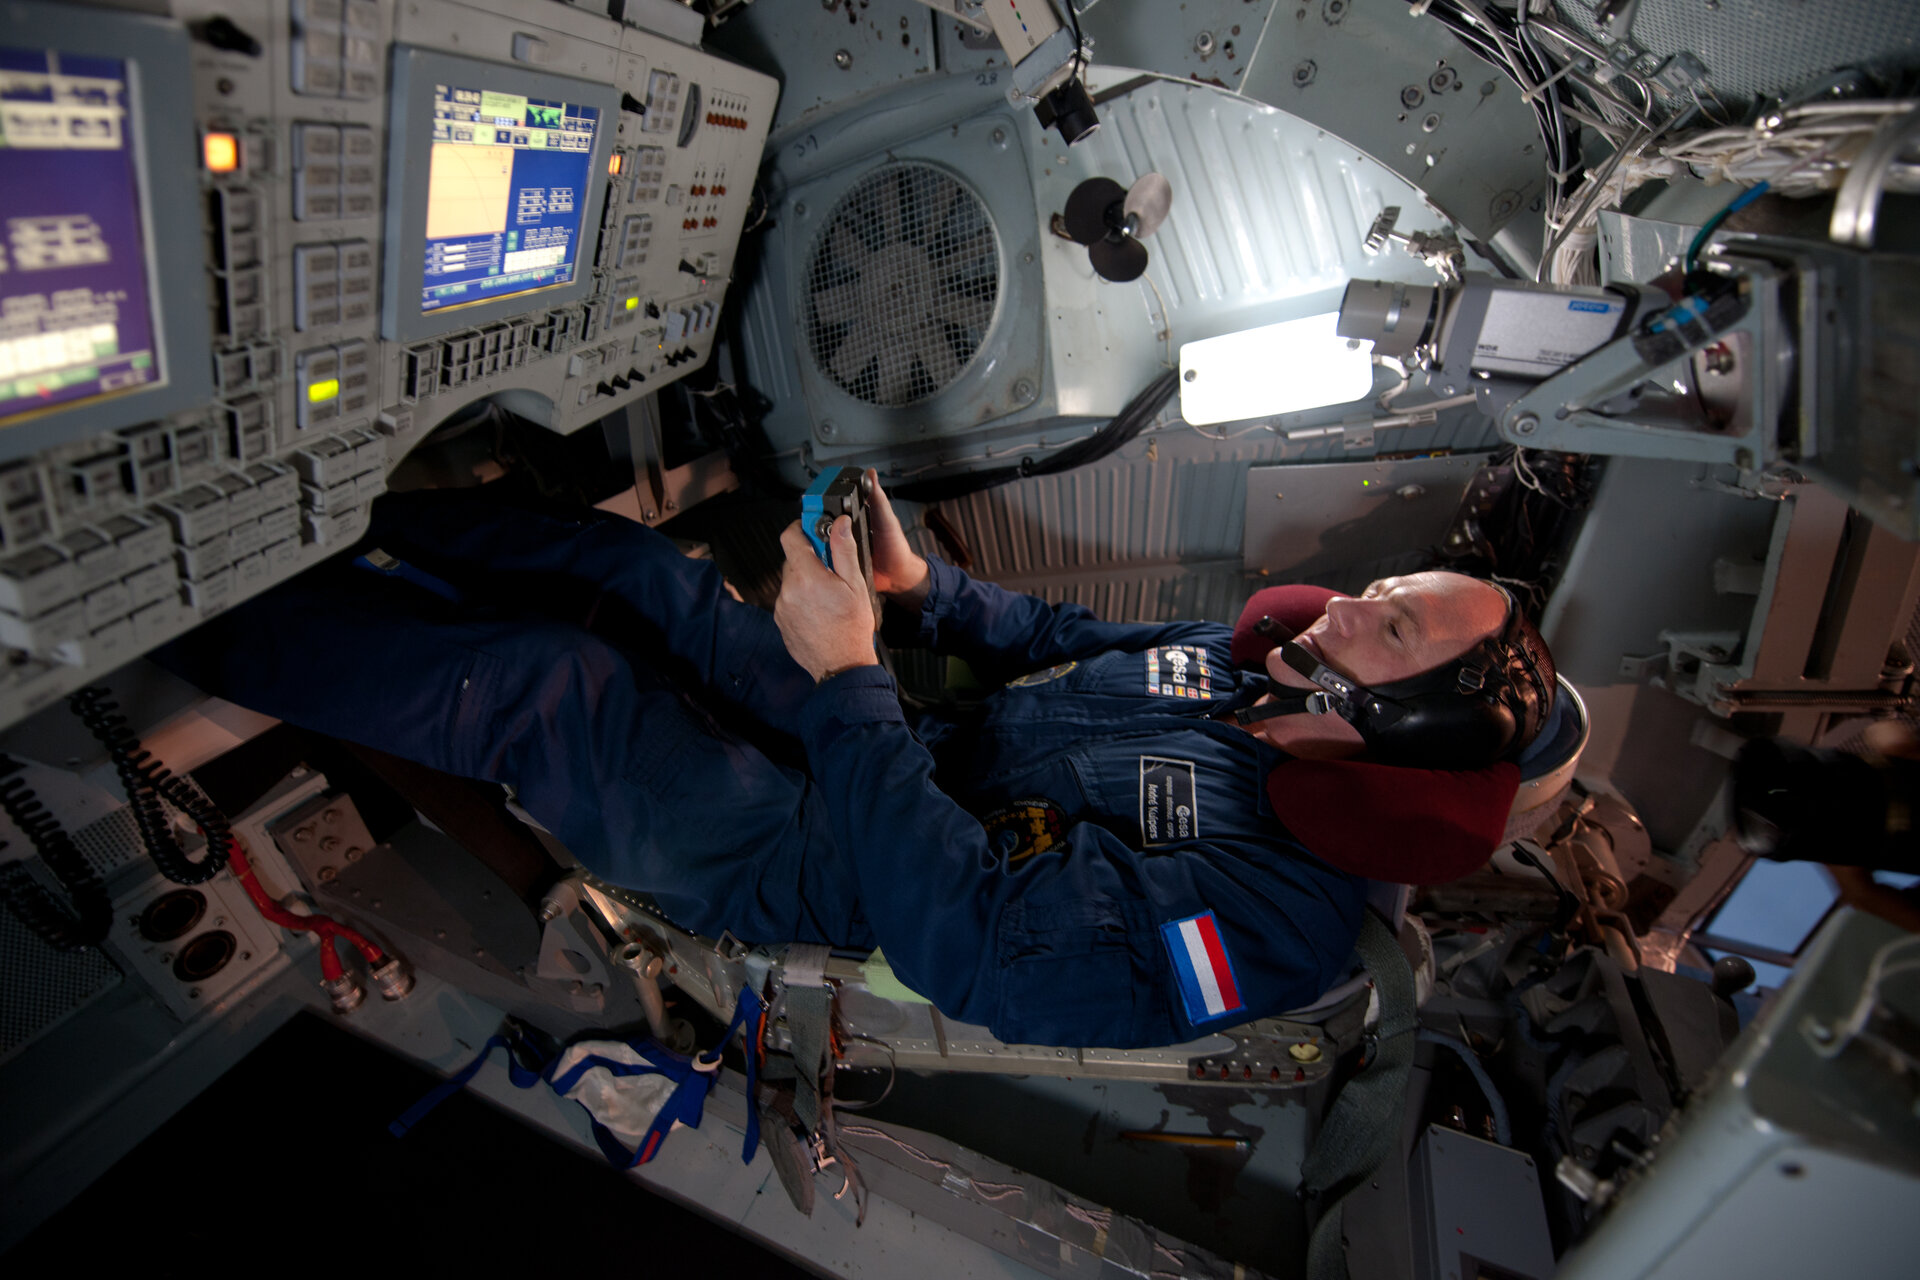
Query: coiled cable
148, 784
86, 923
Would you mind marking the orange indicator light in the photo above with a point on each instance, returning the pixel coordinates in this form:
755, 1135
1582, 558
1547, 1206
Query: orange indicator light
221, 152
616, 163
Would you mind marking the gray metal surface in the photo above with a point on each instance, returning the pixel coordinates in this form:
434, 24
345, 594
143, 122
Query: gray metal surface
1755, 47
1342, 65
1476, 1204
1792, 1163
1310, 520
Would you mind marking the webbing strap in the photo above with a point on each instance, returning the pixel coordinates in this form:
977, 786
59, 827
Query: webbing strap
1364, 1122
809, 1012
686, 1105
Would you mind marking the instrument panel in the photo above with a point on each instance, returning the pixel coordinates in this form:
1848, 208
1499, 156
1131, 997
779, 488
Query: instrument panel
255, 252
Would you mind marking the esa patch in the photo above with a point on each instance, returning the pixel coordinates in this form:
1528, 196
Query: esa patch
1169, 809
1024, 828
1041, 677
1177, 671
1201, 968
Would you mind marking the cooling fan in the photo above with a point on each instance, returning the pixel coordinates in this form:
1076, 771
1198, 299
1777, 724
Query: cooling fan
902, 285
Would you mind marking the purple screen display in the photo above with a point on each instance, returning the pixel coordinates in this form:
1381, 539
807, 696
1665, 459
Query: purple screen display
76, 315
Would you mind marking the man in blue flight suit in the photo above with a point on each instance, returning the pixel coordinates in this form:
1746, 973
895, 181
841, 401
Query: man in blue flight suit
1092, 857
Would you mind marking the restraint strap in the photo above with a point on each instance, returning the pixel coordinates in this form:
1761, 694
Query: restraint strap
1364, 1122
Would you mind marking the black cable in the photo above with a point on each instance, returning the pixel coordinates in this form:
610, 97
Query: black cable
86, 923
1128, 423
147, 783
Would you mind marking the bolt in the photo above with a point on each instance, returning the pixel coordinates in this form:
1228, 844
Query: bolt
1191, 374
327, 874
842, 59
799, 208
302, 835
1412, 96
1431, 123
998, 137
330, 816
827, 430
1304, 72
1022, 391
1441, 80
1027, 258
1203, 44
1526, 424
329, 844
355, 853
193, 993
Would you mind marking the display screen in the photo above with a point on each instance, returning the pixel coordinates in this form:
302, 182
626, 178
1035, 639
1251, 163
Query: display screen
506, 191
76, 316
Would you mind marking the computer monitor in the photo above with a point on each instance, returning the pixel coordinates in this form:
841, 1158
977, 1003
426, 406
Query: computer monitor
496, 176
97, 330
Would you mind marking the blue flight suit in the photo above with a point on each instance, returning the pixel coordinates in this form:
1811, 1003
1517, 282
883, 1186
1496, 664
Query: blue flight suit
1026, 864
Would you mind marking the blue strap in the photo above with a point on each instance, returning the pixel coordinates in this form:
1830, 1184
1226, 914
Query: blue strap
522, 1078
391, 566
686, 1104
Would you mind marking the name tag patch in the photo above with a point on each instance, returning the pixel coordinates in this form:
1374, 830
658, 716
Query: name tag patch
1201, 968
1169, 809
1177, 671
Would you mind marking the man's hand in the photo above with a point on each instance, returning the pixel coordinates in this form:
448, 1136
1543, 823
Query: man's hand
824, 614
898, 573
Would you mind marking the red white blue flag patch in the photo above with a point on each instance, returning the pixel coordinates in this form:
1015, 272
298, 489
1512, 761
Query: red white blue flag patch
1200, 965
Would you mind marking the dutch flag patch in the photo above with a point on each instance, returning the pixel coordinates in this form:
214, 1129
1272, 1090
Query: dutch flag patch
1200, 964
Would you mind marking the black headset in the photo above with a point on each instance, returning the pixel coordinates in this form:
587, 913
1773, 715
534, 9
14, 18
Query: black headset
1479, 708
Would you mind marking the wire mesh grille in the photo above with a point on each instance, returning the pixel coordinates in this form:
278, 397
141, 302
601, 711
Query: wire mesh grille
111, 842
40, 986
902, 285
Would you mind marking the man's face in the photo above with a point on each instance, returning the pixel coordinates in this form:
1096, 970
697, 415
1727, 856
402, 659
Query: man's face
1398, 628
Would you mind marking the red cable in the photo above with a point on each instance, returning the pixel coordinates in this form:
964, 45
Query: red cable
326, 927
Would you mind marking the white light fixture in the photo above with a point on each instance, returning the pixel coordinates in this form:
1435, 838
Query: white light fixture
1277, 368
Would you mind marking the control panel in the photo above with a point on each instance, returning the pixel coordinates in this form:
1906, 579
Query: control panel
253, 252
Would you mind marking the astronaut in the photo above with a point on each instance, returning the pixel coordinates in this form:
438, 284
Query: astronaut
1105, 851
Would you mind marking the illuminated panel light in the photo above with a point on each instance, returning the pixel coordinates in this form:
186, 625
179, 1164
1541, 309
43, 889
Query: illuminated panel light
221, 152
1277, 368
615, 163
321, 392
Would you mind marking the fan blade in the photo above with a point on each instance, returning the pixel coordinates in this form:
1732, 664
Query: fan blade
1086, 211
965, 310
891, 199
969, 251
936, 356
1148, 201
896, 373
1118, 259
856, 352
850, 252
838, 304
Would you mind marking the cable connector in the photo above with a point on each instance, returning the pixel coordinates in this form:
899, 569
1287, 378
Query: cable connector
345, 991
393, 978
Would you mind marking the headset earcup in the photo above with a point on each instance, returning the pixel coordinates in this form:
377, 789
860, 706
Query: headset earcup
1441, 730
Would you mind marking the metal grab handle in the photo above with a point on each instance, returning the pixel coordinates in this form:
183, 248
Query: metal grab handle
1857, 206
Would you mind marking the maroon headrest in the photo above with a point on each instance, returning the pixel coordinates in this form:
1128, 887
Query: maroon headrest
1293, 609
1384, 822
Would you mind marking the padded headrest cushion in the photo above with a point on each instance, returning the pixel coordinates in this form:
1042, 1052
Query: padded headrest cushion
1293, 609
1389, 822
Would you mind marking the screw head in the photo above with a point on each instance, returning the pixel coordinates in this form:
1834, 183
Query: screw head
1203, 44
1023, 391
842, 59
1304, 72
326, 874
1190, 375
1412, 96
826, 430
1526, 424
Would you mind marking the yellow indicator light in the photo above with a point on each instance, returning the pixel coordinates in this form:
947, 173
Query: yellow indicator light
320, 392
616, 163
633, 304
221, 152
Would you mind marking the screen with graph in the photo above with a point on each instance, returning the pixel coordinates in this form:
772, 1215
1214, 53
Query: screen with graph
507, 188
